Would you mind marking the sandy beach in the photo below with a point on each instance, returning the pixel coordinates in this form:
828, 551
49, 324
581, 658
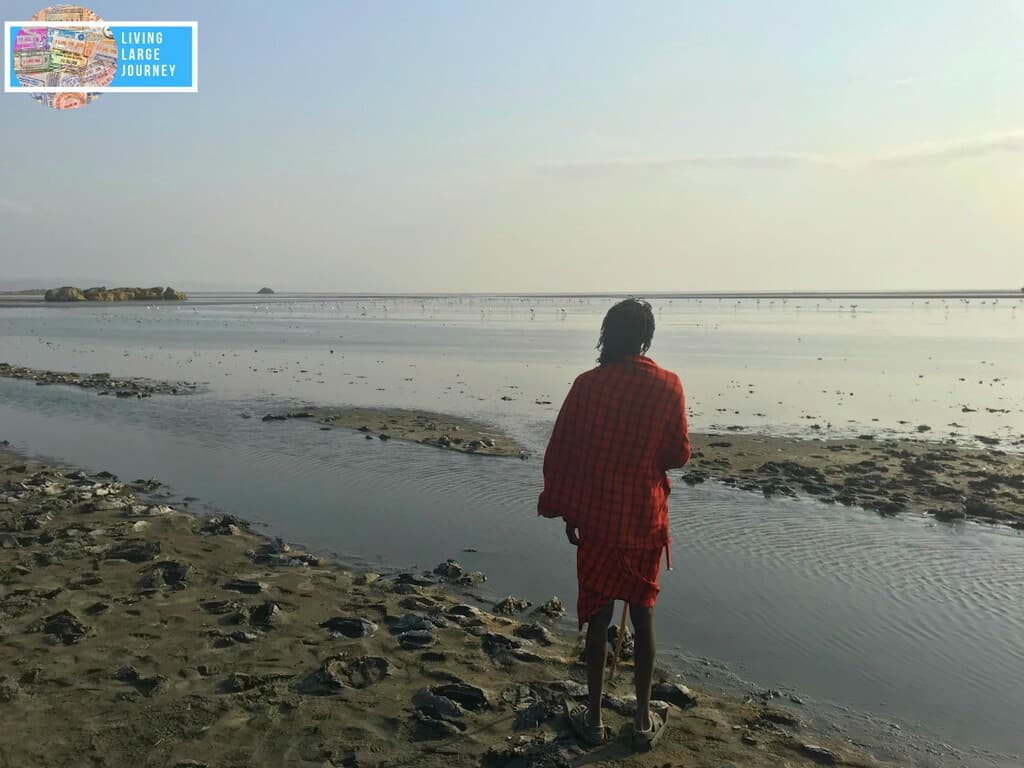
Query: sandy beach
135, 634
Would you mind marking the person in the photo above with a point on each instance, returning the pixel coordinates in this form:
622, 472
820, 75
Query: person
622, 425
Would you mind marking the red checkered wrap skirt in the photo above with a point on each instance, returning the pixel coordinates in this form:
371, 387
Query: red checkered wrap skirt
614, 573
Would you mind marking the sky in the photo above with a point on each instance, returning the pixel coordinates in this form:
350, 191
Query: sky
469, 145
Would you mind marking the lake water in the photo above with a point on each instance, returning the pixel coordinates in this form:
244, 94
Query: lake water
902, 634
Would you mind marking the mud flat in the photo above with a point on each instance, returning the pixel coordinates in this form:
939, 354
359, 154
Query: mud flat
947, 481
102, 383
439, 430
135, 634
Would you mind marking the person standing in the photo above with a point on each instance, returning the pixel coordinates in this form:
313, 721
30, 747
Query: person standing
622, 425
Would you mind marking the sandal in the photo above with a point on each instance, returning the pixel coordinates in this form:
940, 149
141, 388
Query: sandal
591, 735
646, 740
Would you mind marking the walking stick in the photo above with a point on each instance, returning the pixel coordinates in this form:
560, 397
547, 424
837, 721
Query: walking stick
618, 640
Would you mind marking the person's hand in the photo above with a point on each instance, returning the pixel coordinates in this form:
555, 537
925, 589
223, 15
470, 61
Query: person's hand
572, 534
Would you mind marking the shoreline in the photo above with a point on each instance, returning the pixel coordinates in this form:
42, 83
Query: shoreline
192, 639
888, 475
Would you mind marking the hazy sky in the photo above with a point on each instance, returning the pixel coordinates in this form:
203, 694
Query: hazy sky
540, 146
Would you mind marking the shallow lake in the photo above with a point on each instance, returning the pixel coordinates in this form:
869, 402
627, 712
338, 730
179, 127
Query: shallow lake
899, 632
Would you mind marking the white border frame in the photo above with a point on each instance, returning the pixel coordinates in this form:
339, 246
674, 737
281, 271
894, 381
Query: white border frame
8, 53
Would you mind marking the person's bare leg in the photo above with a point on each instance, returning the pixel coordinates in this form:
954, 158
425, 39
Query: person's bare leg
596, 655
643, 660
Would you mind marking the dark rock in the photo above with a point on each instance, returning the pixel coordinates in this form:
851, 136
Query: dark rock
471, 578
350, 626
146, 486
223, 525
246, 586
674, 693
494, 643
222, 606
238, 682
449, 569
168, 573
436, 706
266, 615
428, 727
416, 639
410, 622
528, 656
134, 551
534, 631
949, 515
366, 670
818, 754
65, 626
96, 609
274, 417
465, 695
510, 606
340, 672
552, 608
147, 686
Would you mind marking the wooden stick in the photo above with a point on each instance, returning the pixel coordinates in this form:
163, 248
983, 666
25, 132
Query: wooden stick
618, 641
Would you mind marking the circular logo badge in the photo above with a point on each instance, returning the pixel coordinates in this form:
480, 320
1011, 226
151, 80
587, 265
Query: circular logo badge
65, 57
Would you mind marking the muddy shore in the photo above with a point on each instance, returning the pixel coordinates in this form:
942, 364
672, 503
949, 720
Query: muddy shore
890, 477
438, 430
101, 383
134, 634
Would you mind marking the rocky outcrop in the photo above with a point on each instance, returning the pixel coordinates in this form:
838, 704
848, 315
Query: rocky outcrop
67, 293
157, 293
265, 290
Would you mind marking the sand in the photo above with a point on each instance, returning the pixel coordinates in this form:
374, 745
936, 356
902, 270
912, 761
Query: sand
135, 634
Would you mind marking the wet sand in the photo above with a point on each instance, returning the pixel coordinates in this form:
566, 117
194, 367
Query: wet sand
134, 634
439, 430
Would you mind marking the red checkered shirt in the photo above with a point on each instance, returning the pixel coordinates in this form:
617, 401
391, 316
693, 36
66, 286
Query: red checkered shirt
621, 426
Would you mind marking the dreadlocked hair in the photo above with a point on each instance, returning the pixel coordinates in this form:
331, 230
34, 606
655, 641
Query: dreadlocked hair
627, 330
